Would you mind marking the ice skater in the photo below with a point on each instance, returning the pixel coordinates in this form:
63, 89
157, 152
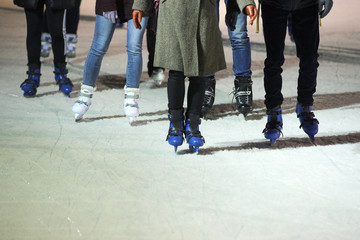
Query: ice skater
107, 11
305, 29
34, 11
72, 22
189, 44
235, 20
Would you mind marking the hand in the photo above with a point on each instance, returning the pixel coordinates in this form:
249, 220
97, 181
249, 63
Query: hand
232, 12
111, 16
137, 17
252, 12
325, 7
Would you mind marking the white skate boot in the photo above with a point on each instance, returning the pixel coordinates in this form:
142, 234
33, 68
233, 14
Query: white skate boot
158, 76
71, 40
131, 107
45, 46
83, 102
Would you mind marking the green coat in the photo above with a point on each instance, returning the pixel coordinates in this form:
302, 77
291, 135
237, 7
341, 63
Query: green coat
188, 37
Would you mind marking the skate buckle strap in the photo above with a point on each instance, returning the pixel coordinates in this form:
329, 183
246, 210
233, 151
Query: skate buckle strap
82, 102
32, 73
31, 81
64, 81
85, 94
309, 118
127, 96
132, 105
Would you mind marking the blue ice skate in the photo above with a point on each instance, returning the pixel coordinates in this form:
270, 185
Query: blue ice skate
273, 128
192, 133
65, 84
175, 135
30, 84
308, 122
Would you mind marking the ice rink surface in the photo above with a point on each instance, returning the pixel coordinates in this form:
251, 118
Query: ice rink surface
104, 179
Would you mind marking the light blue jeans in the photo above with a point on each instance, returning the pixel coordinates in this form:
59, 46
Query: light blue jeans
240, 44
104, 31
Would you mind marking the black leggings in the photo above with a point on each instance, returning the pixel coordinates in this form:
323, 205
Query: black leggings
176, 92
34, 19
72, 19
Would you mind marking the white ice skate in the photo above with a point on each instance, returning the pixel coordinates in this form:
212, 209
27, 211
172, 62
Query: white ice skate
82, 104
71, 40
131, 107
158, 76
45, 46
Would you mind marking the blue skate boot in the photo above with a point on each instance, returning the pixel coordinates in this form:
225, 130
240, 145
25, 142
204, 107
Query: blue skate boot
308, 122
30, 84
176, 130
65, 84
192, 133
274, 124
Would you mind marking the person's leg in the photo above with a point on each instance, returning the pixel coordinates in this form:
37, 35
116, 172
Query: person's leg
72, 22
104, 31
34, 20
195, 95
103, 34
57, 29
134, 51
176, 94
241, 48
195, 98
45, 39
306, 36
72, 18
274, 27
150, 42
33, 45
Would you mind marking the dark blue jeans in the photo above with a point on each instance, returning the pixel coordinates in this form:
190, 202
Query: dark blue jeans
305, 24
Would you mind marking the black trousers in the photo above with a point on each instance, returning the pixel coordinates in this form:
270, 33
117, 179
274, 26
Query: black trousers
305, 27
176, 92
34, 19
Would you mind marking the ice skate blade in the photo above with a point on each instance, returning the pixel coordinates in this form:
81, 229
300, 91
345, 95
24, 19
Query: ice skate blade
78, 117
194, 149
158, 83
272, 142
131, 120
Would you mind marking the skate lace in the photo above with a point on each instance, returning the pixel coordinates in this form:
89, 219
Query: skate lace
242, 97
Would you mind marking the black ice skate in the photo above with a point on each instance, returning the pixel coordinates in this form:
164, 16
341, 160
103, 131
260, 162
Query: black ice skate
243, 94
209, 97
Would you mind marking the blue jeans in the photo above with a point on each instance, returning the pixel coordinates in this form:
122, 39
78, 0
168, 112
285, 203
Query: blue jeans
104, 31
240, 46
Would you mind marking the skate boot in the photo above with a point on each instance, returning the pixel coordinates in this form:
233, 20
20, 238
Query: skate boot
192, 133
209, 97
131, 107
274, 124
32, 82
308, 122
45, 45
243, 94
158, 76
82, 104
71, 40
176, 129
65, 84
